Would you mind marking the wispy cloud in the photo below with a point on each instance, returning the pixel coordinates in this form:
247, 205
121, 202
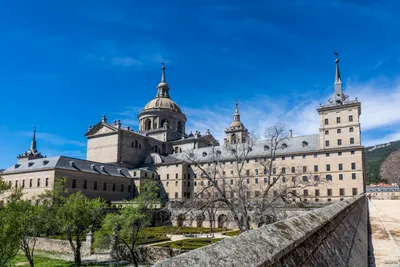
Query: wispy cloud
53, 139
125, 61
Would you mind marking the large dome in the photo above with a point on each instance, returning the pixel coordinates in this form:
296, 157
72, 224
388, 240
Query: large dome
163, 103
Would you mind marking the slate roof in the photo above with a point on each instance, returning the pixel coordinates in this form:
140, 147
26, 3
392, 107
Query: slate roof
67, 163
295, 145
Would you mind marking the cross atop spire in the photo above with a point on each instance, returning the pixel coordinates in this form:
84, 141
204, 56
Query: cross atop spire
236, 116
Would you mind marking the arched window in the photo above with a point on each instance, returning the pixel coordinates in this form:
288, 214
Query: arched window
176, 150
132, 144
305, 144
180, 127
204, 154
147, 124
284, 145
266, 148
136, 144
233, 139
163, 121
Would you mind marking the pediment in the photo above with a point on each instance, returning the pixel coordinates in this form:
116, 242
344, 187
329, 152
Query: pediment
101, 129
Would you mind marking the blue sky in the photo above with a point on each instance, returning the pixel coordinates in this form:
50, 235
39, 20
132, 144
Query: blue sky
66, 63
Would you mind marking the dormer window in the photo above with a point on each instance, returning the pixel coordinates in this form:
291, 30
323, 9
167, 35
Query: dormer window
204, 154
219, 152
16, 166
266, 148
284, 145
304, 144
45, 162
30, 164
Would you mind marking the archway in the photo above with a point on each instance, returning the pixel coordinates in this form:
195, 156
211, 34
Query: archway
163, 122
180, 127
147, 124
221, 221
200, 219
181, 219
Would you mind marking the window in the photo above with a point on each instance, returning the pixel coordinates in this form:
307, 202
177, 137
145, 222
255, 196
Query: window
328, 167
256, 180
46, 182
352, 152
339, 142
341, 191
327, 154
283, 158
351, 118
354, 191
283, 179
231, 173
16, 183
283, 170
326, 121
274, 171
305, 179
73, 183
316, 178
317, 192
84, 184
329, 192
122, 188
305, 192
353, 176
326, 143
292, 157
353, 165
351, 141
248, 180
265, 171
113, 187
329, 177
304, 156
339, 131
176, 175
315, 155
247, 172
130, 188
339, 153
337, 119
266, 148
38, 182
167, 176
351, 129
315, 168
256, 171
293, 169
94, 185
134, 174
23, 184
340, 176
176, 195
30, 182
105, 187
340, 166
265, 180
274, 179
231, 181
326, 132
304, 169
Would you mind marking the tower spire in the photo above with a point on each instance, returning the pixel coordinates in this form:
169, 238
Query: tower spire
162, 88
338, 97
33, 143
236, 116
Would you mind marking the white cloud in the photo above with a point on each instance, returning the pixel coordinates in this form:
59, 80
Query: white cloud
48, 138
380, 105
125, 61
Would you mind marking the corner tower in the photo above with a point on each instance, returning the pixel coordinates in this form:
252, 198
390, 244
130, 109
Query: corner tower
236, 132
339, 119
162, 118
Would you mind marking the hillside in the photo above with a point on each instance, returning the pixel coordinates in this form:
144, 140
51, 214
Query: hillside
374, 156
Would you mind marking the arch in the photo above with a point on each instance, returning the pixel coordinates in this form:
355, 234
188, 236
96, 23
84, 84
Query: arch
163, 122
222, 221
200, 219
180, 127
181, 219
147, 124
266, 148
233, 139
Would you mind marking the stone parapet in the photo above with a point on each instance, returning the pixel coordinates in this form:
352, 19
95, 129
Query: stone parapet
336, 235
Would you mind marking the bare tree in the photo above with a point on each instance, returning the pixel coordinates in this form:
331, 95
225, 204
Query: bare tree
235, 191
390, 168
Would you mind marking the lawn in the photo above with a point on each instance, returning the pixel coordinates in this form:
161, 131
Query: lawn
162, 230
190, 244
43, 261
232, 233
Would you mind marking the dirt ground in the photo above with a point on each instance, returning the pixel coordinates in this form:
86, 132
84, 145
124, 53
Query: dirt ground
385, 228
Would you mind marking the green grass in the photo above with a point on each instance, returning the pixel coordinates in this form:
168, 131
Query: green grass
233, 233
42, 261
190, 244
162, 230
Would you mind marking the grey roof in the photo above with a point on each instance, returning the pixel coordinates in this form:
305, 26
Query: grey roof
67, 163
382, 189
294, 145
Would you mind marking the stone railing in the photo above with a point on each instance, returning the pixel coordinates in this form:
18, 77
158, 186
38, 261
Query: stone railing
336, 235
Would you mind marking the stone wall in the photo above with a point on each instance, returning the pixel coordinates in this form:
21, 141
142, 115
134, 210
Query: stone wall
335, 235
60, 246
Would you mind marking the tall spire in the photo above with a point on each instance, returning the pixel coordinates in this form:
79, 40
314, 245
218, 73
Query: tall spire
236, 116
162, 88
338, 97
33, 143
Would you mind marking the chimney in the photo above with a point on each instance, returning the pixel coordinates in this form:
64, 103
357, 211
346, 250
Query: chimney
290, 133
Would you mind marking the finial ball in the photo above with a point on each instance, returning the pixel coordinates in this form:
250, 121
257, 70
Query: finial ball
337, 60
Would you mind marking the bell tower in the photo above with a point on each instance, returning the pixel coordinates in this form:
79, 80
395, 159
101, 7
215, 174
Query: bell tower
236, 133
